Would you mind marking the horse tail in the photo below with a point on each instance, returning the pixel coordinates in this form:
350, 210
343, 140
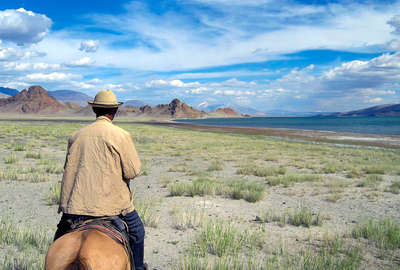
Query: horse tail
79, 265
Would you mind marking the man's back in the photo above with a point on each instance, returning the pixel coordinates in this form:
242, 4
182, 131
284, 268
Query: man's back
101, 158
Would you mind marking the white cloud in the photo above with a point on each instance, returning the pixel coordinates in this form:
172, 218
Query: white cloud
89, 46
395, 23
23, 27
83, 85
53, 77
172, 83
17, 66
83, 62
234, 93
376, 100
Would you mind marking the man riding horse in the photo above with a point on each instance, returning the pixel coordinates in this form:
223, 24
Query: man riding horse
100, 161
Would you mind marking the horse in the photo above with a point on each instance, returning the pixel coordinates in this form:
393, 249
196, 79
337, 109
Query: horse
86, 250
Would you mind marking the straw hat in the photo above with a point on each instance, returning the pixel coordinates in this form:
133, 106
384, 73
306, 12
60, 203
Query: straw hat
105, 99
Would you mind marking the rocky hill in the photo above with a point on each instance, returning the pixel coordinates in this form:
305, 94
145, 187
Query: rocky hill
35, 100
380, 110
227, 112
175, 109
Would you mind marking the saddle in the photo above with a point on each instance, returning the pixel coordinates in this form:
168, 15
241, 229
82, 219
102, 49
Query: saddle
114, 227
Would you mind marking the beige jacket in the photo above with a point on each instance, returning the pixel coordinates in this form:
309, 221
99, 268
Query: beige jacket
101, 159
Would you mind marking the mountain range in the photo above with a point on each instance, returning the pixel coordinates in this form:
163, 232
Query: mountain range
380, 110
37, 100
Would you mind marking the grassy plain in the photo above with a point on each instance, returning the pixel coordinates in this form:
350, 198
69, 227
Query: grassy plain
217, 200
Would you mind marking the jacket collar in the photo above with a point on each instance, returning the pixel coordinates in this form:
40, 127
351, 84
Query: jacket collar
105, 118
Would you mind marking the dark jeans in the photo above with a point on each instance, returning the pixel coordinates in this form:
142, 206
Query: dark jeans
136, 233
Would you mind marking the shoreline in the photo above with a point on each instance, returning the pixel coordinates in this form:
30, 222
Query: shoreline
331, 137
345, 138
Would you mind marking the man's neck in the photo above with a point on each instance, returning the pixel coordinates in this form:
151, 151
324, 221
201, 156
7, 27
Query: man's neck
109, 116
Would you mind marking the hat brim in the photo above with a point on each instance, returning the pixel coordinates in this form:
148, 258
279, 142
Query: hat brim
103, 105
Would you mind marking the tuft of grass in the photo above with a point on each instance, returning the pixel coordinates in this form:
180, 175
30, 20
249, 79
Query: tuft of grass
252, 169
236, 189
9, 174
10, 159
22, 237
290, 179
241, 189
372, 180
19, 147
189, 217
215, 165
26, 260
394, 187
374, 169
385, 233
301, 216
354, 173
221, 238
147, 212
52, 197
177, 189
34, 155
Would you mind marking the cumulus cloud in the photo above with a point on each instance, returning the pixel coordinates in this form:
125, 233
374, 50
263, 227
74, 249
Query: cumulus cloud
17, 66
171, 83
395, 23
52, 77
89, 46
23, 27
364, 74
83, 62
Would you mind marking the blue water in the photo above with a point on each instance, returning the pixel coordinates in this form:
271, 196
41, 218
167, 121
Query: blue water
388, 125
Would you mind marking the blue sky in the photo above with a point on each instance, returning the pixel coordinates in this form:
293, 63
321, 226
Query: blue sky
265, 54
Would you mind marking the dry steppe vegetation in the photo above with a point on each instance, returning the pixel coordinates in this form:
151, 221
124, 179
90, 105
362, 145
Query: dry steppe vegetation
217, 201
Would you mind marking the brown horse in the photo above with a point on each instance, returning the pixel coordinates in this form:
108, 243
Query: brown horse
86, 250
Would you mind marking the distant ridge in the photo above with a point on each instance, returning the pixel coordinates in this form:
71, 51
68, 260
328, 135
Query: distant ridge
134, 103
380, 110
34, 100
72, 96
8, 91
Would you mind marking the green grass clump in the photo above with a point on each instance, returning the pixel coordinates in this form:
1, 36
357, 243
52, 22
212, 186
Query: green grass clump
385, 234
189, 217
22, 237
222, 238
215, 165
372, 180
394, 187
10, 159
374, 169
301, 216
260, 171
34, 155
19, 147
147, 212
202, 187
330, 257
241, 189
290, 179
52, 197
236, 189
177, 189
354, 173
26, 260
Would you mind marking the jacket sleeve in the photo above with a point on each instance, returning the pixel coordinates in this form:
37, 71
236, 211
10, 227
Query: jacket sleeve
130, 161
